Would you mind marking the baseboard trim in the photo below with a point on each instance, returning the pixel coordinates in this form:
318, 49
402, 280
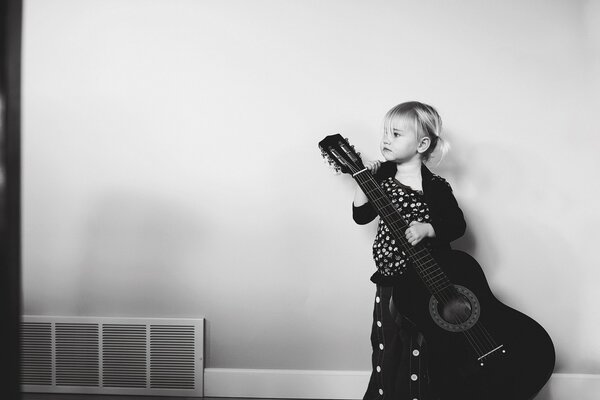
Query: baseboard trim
284, 384
571, 386
318, 384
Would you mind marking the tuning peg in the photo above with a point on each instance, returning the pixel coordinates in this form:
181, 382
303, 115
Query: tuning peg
354, 149
332, 165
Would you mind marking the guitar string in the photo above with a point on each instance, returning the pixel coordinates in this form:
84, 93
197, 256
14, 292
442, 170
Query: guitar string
439, 291
473, 341
356, 172
477, 332
478, 343
483, 331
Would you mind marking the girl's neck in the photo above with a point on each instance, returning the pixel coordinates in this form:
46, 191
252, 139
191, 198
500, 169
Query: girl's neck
409, 174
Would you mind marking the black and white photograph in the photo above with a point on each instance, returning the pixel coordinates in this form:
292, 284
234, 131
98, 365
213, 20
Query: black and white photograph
300, 199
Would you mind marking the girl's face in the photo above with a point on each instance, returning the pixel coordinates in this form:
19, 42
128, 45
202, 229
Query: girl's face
399, 143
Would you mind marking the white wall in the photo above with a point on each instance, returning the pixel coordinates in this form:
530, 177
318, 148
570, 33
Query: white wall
171, 166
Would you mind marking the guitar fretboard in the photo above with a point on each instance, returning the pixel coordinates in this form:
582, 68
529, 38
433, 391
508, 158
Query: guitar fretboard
425, 265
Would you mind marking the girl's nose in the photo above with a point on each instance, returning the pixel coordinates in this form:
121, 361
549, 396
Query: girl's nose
386, 137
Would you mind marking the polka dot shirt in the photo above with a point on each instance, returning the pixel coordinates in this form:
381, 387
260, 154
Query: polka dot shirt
389, 258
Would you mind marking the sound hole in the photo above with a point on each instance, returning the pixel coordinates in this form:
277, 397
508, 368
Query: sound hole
455, 310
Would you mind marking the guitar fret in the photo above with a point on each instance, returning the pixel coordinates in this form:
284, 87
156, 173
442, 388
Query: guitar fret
420, 259
427, 268
429, 264
389, 213
431, 277
438, 276
441, 289
425, 265
442, 283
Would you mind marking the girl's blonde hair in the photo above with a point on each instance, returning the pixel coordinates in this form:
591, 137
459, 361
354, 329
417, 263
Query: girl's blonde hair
426, 120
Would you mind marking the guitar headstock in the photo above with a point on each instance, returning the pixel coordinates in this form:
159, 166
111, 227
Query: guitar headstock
340, 154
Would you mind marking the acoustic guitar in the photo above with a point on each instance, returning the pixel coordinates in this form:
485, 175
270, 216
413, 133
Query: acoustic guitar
479, 348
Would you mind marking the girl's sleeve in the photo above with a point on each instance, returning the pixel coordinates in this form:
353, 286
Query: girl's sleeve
366, 213
447, 219
363, 214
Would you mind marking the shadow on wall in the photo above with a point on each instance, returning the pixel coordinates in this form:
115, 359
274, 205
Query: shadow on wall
136, 249
530, 263
455, 169
546, 394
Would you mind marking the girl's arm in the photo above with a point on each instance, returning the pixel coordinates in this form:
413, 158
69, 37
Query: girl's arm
365, 212
447, 218
362, 211
360, 197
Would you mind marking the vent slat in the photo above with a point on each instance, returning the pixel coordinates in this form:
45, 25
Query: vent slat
125, 358
172, 357
77, 354
36, 353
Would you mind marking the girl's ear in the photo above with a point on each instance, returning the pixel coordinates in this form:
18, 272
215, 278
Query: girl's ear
424, 144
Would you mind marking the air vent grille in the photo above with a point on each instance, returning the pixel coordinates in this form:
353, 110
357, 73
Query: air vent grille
77, 354
98, 355
172, 357
36, 357
124, 355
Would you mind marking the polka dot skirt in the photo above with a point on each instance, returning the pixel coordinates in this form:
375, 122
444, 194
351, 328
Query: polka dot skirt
399, 358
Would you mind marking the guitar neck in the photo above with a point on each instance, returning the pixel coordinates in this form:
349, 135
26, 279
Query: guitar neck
425, 265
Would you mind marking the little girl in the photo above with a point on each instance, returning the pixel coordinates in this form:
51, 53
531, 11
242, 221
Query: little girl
411, 132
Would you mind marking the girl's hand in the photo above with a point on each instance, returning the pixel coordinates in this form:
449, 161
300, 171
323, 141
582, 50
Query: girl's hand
418, 231
359, 197
372, 166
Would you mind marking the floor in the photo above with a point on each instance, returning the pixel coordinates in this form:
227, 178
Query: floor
45, 396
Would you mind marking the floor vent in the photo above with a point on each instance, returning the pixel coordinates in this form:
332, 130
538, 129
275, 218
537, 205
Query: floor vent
97, 355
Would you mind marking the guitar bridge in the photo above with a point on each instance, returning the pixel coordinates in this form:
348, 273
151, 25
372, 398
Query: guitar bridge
498, 350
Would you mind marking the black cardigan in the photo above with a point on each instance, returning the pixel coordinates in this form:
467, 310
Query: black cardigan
447, 218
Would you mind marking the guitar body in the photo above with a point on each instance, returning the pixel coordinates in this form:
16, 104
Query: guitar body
478, 347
